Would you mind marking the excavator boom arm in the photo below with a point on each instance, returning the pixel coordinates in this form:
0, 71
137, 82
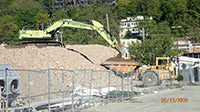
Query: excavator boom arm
49, 33
77, 24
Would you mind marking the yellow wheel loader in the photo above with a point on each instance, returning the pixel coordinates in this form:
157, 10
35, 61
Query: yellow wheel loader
152, 75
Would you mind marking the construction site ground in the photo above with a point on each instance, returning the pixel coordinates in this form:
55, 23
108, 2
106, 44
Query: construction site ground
28, 61
152, 102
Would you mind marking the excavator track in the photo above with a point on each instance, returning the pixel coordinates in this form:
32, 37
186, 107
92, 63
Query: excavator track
44, 43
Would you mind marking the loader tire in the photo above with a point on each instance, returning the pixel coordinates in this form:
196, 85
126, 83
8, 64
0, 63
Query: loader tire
150, 78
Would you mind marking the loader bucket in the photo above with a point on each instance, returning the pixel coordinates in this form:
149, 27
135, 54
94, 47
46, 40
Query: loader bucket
121, 65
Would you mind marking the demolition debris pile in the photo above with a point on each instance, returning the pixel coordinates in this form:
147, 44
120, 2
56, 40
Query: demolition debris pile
72, 57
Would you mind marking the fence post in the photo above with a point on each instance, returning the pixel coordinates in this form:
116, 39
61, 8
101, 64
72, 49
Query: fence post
29, 89
122, 86
6, 77
1, 98
171, 80
109, 86
62, 91
132, 81
90, 87
49, 84
73, 91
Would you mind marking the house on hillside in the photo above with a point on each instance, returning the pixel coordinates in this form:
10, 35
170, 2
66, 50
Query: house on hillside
131, 24
187, 44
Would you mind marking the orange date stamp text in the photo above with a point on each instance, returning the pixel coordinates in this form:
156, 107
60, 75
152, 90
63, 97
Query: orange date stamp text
174, 100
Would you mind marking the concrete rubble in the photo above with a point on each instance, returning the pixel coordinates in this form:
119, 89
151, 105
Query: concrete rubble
32, 57
39, 58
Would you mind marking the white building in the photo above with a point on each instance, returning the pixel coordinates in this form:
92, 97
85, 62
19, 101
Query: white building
130, 23
128, 42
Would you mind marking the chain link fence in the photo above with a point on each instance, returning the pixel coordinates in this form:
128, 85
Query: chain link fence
68, 90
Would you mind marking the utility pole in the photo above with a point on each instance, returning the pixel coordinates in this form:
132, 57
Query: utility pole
108, 27
143, 33
177, 58
74, 2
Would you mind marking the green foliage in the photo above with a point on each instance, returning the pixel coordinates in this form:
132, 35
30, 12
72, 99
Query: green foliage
128, 35
147, 25
42, 18
25, 12
126, 8
94, 12
59, 14
157, 45
179, 78
176, 11
4, 6
46, 4
18, 14
8, 29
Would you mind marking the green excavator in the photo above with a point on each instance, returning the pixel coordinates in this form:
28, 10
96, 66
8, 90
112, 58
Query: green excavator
119, 63
47, 35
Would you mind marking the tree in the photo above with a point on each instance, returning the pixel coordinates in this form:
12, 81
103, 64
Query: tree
126, 8
149, 8
42, 18
4, 6
8, 29
46, 4
96, 12
146, 26
176, 12
25, 12
122, 8
157, 45
194, 12
128, 34
59, 14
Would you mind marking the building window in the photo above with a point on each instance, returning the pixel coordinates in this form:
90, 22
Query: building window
128, 24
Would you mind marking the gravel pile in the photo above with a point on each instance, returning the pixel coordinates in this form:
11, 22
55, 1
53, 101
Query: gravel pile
73, 57
32, 57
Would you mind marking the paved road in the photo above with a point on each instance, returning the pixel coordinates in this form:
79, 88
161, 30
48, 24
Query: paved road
152, 102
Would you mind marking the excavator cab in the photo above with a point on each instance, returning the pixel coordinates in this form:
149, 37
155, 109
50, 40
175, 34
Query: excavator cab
43, 26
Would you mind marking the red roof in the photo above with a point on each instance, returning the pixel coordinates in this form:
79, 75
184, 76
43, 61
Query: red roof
184, 39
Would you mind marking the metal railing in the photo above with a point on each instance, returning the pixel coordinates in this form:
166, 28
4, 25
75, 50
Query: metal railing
69, 90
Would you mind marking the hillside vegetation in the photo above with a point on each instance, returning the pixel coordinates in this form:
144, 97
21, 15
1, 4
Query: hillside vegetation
19, 14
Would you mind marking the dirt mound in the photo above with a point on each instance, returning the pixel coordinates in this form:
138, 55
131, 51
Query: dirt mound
73, 57
32, 57
96, 53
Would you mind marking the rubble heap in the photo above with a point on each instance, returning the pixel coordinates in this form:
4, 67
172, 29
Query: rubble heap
32, 57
